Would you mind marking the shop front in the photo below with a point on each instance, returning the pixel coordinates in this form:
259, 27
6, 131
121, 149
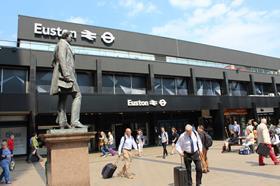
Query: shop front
241, 115
16, 125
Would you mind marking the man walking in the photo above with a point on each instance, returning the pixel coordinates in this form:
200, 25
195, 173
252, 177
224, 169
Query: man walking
202, 135
34, 146
189, 146
125, 147
263, 137
164, 142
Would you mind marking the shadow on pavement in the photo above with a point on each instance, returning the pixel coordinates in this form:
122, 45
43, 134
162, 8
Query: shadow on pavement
247, 173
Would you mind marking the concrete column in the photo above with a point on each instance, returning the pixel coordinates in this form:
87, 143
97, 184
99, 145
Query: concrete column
274, 87
193, 87
98, 77
252, 85
151, 79
225, 85
32, 95
219, 122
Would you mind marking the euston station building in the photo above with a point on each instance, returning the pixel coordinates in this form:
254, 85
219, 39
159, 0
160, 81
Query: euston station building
133, 80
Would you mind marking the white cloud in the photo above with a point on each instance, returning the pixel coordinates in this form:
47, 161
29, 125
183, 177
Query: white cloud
237, 2
184, 4
225, 25
78, 19
135, 7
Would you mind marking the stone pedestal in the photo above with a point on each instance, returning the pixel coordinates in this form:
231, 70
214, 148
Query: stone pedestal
68, 159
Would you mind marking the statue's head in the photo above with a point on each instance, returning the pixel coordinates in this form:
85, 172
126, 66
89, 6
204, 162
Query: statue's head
67, 36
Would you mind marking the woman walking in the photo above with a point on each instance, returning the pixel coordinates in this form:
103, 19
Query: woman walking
174, 139
140, 140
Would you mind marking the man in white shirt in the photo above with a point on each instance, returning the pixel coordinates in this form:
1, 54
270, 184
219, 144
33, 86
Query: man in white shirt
164, 142
236, 128
125, 147
189, 146
264, 137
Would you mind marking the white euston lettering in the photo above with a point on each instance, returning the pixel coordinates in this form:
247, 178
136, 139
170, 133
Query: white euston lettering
37, 28
50, 31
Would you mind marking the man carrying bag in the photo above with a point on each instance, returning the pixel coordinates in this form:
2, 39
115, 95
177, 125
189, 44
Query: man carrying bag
264, 147
189, 146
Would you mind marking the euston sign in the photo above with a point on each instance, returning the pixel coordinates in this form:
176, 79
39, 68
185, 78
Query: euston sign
140, 103
39, 29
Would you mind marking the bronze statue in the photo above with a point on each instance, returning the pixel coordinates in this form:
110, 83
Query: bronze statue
64, 83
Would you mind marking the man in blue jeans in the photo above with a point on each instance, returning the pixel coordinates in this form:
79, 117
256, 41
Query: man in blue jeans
5, 162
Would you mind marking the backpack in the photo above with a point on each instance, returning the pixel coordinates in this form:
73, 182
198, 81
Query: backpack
208, 140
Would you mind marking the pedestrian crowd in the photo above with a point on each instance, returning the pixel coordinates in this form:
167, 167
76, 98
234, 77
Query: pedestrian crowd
258, 137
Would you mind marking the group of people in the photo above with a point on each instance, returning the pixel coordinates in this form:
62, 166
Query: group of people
192, 145
7, 153
107, 143
255, 133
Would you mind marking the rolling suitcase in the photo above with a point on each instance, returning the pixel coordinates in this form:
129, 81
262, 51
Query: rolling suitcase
108, 170
180, 175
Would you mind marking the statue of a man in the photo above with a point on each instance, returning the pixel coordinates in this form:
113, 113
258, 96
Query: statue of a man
64, 83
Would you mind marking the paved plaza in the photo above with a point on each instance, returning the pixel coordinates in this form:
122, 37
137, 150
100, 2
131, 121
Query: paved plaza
228, 169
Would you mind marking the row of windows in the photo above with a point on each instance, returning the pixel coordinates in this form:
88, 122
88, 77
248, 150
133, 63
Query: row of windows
89, 51
148, 57
16, 81
203, 63
84, 79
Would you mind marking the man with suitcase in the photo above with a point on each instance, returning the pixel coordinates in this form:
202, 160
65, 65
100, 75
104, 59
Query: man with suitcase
125, 147
189, 146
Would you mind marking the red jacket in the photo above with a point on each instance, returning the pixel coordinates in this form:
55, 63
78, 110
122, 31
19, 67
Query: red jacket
11, 144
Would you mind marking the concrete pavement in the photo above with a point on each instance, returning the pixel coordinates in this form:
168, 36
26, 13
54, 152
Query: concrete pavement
228, 169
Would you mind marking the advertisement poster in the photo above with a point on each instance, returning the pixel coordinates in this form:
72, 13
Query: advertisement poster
20, 138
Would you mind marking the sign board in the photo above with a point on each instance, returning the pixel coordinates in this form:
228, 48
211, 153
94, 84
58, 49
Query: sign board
261, 110
88, 35
146, 103
20, 138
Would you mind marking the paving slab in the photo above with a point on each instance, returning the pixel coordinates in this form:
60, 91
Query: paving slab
227, 169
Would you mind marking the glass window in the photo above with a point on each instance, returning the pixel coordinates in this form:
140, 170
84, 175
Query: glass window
14, 81
89, 51
208, 88
86, 82
43, 81
263, 89
122, 84
238, 88
138, 85
158, 86
168, 86
108, 83
182, 88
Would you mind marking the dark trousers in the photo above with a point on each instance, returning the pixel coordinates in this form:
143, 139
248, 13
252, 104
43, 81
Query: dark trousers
188, 158
31, 154
165, 153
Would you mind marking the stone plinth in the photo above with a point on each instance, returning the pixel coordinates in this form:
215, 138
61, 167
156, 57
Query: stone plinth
68, 159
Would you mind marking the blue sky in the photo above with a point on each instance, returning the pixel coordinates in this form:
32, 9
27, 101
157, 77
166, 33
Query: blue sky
247, 25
